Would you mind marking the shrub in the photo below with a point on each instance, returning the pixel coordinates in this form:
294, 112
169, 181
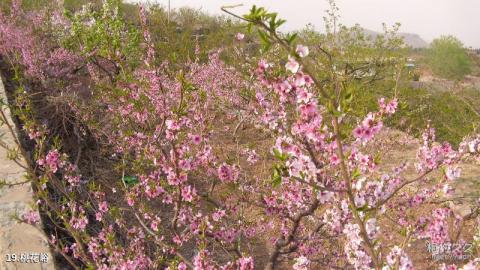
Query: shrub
448, 58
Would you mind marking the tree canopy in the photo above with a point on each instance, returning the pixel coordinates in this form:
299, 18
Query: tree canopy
448, 58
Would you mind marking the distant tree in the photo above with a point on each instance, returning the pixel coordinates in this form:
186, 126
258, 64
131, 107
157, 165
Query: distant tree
448, 58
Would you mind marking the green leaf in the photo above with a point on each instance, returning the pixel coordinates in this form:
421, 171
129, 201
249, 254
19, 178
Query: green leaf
276, 153
273, 17
276, 178
280, 156
291, 38
363, 208
266, 47
356, 173
249, 28
349, 97
377, 158
130, 180
263, 36
280, 22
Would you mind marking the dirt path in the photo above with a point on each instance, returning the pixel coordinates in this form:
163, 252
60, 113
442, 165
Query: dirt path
19, 241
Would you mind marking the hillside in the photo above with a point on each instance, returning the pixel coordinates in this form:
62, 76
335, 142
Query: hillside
411, 39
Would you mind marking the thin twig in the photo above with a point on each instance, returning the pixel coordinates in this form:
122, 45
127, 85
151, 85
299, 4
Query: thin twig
152, 233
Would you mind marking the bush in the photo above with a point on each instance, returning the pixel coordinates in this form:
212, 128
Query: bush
448, 58
454, 115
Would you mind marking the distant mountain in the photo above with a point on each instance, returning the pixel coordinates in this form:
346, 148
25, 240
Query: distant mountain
412, 40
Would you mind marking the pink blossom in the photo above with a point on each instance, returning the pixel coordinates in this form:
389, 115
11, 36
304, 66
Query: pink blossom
473, 146
73, 180
367, 128
31, 217
447, 189
245, 263
472, 265
392, 106
292, 65
388, 108
398, 255
303, 96
182, 266
240, 36
130, 201
301, 263
252, 156
227, 173
371, 228
52, 160
452, 173
154, 225
218, 215
196, 139
171, 139
302, 51
437, 228
325, 196
334, 159
448, 267
103, 207
33, 135
79, 223
188, 193
172, 128
202, 261
353, 247
263, 65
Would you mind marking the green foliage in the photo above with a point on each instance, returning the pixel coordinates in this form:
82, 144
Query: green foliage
364, 66
345, 59
367, 70
268, 26
130, 180
177, 37
27, 5
279, 168
103, 30
449, 114
448, 58
453, 115
471, 96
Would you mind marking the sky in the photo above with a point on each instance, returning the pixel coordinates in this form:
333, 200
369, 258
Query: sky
428, 18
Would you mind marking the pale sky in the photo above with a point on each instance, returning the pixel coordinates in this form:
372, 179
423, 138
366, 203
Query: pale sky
428, 18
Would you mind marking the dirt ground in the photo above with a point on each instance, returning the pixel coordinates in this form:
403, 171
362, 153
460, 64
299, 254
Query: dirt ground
467, 188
